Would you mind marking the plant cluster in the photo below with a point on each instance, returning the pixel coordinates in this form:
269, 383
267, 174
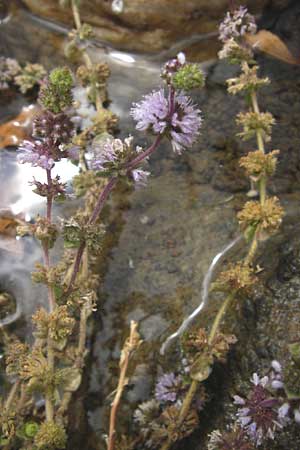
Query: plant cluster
74, 124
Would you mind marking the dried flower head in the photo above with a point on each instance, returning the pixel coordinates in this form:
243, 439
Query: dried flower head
201, 354
175, 429
57, 128
16, 354
50, 436
97, 75
182, 126
252, 122
8, 424
236, 439
168, 387
265, 218
168, 426
236, 24
45, 231
239, 277
58, 325
29, 76
258, 414
236, 53
77, 230
247, 81
146, 413
9, 68
259, 164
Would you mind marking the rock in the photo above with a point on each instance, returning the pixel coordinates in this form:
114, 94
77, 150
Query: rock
143, 25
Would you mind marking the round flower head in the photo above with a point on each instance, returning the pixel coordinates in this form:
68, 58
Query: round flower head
57, 128
168, 387
181, 125
104, 152
236, 24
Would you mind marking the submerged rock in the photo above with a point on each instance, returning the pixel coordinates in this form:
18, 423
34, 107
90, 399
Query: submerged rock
140, 25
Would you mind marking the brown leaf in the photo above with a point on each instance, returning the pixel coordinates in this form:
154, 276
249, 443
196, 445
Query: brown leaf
19, 128
272, 45
9, 222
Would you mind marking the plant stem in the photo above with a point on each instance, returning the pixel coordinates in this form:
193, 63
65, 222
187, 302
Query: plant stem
261, 147
13, 391
184, 410
219, 316
76, 15
51, 299
86, 57
144, 155
101, 201
130, 345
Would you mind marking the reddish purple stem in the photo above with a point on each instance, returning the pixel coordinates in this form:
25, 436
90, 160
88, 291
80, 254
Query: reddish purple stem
51, 297
101, 201
111, 184
49, 196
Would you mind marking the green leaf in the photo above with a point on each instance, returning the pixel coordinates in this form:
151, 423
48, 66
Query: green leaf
73, 381
202, 367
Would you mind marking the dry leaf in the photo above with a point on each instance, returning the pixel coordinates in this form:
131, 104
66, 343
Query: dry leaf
9, 222
19, 128
8, 231
272, 45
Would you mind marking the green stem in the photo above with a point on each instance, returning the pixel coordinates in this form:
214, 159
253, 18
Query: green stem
12, 394
194, 385
263, 190
86, 56
219, 317
76, 15
261, 147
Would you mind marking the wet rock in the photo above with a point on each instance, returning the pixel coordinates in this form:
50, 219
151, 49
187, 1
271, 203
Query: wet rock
144, 26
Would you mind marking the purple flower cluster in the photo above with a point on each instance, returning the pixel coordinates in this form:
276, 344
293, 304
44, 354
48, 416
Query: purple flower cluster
236, 24
168, 387
36, 153
113, 154
259, 414
106, 151
52, 132
41, 153
181, 124
290, 408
